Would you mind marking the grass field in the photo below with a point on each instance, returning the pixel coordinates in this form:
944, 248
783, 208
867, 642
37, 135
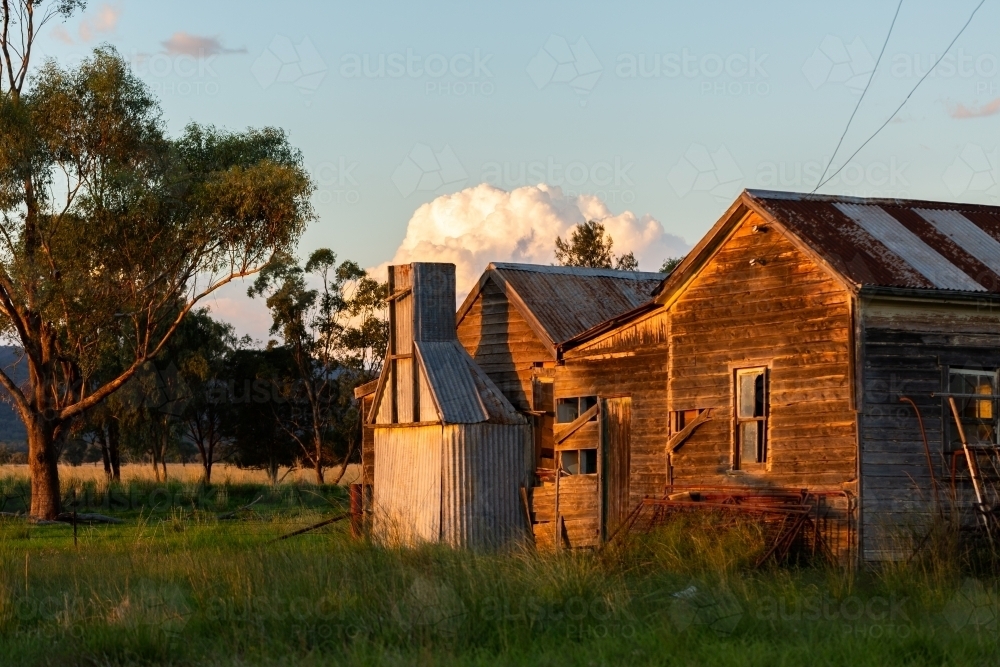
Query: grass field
177, 584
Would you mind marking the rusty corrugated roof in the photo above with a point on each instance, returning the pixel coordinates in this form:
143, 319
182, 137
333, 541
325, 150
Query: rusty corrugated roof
568, 300
894, 242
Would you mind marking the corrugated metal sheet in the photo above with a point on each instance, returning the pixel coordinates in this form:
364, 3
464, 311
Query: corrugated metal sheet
447, 370
929, 262
483, 468
895, 243
568, 300
434, 301
406, 507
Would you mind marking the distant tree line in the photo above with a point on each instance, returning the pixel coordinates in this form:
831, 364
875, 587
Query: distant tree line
212, 397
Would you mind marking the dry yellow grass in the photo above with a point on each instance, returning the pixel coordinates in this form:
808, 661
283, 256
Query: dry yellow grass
185, 473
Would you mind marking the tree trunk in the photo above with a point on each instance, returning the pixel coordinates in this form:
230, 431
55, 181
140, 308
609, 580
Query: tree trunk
44, 471
114, 451
105, 454
319, 459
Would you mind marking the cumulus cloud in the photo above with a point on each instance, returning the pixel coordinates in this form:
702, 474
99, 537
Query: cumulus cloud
961, 112
186, 44
484, 224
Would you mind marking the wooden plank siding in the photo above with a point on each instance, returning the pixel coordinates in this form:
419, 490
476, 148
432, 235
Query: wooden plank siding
501, 342
908, 348
790, 315
632, 361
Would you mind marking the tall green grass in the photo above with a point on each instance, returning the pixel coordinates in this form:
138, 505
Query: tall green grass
177, 585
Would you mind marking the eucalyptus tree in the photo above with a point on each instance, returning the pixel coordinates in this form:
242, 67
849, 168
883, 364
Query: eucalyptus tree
336, 333
111, 231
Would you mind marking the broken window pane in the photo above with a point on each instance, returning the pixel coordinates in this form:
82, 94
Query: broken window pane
567, 410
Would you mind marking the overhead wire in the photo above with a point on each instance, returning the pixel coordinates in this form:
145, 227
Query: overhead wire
860, 99
906, 99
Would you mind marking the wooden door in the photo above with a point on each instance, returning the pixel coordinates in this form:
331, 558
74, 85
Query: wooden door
616, 436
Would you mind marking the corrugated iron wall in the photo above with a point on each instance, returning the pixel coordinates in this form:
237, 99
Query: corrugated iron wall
458, 483
483, 468
407, 495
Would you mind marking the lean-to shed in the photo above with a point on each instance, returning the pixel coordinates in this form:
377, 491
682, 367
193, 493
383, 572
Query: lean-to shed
450, 454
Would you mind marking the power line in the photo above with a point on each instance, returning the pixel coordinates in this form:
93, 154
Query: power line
860, 99
906, 99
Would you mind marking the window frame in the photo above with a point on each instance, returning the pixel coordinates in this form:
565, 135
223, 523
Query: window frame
762, 460
589, 401
949, 437
579, 453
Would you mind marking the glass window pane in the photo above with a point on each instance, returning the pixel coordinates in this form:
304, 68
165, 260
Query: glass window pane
758, 391
588, 461
571, 461
586, 403
746, 400
748, 442
567, 410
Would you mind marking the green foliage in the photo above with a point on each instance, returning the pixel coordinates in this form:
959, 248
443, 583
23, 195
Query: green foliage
336, 334
111, 231
177, 585
670, 263
590, 246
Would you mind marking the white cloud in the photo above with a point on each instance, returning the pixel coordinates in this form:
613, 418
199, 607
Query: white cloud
231, 304
103, 21
484, 224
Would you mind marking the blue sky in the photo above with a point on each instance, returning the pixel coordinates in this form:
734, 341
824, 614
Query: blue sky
663, 110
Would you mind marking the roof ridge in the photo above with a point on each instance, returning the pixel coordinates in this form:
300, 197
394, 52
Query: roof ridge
871, 201
577, 271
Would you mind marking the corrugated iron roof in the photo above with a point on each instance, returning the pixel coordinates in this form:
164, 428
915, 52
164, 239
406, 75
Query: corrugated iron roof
568, 300
894, 242
463, 394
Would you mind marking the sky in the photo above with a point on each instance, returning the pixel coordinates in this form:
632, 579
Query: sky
474, 132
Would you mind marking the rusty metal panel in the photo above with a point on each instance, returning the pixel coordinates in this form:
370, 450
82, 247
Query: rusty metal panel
568, 300
483, 468
407, 492
433, 301
896, 243
910, 247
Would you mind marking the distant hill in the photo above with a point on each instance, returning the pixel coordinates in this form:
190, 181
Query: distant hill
12, 431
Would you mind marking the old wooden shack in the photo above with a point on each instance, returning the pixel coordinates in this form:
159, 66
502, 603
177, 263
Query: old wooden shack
594, 414
779, 356
448, 454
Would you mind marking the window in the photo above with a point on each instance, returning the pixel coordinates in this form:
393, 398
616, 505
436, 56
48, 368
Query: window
751, 418
569, 409
579, 461
978, 415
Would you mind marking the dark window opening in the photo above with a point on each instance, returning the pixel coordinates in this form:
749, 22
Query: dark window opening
569, 409
579, 461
